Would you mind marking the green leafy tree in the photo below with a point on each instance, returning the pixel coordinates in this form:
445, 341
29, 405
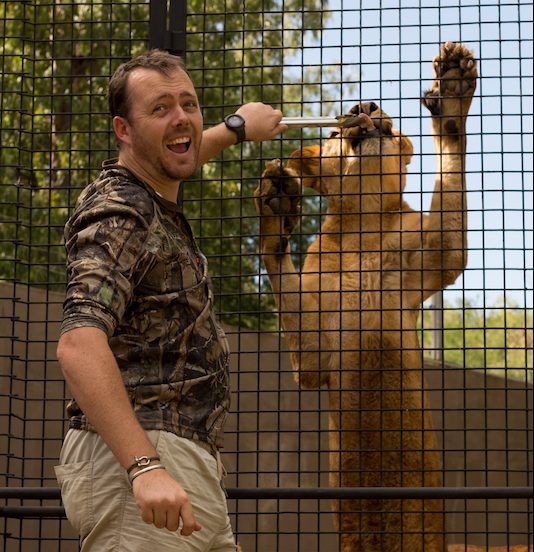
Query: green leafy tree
244, 61
57, 58
56, 61
496, 339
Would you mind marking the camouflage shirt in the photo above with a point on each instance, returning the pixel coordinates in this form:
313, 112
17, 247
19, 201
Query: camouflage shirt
135, 271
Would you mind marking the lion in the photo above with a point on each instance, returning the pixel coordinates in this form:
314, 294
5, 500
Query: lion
350, 315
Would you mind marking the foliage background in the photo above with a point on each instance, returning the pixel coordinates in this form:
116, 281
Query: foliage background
57, 57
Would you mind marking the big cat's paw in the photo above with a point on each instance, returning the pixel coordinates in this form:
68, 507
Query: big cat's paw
278, 195
450, 95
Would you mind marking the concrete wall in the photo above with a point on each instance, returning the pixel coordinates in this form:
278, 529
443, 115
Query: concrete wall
276, 437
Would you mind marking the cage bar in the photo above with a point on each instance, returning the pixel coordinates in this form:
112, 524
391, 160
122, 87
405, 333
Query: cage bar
314, 60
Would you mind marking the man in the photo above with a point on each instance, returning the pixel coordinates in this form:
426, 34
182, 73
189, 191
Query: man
140, 349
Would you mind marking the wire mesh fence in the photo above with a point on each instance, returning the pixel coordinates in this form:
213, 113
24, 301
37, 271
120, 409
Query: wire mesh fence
316, 58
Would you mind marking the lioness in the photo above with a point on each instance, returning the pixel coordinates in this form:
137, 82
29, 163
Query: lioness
350, 316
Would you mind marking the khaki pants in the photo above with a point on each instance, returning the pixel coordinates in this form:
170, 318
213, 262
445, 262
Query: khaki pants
100, 505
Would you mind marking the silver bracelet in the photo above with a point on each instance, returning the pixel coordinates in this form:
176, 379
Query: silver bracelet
141, 462
147, 469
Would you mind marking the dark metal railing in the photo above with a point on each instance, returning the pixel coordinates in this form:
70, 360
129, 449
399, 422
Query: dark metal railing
280, 493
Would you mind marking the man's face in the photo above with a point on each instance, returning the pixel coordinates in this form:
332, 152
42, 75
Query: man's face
164, 126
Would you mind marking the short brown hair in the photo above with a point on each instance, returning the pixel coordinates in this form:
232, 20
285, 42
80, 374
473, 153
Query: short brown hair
158, 60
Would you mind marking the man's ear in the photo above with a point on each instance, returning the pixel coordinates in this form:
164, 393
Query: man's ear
122, 129
307, 163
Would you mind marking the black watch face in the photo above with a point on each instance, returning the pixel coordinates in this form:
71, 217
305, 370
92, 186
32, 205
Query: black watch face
234, 121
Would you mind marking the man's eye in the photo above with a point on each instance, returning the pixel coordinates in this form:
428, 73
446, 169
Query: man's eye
159, 108
191, 105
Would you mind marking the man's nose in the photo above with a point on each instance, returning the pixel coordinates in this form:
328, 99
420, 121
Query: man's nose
179, 116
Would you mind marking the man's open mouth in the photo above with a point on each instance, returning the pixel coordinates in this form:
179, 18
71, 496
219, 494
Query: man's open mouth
179, 145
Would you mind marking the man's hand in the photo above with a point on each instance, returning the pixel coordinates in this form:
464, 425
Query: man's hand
163, 502
262, 121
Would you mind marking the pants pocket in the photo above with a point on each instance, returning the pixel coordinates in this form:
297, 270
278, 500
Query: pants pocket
75, 481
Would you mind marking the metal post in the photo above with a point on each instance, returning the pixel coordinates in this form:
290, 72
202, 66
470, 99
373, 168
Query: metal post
167, 27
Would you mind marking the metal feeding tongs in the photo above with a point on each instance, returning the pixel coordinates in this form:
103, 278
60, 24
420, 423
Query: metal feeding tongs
343, 121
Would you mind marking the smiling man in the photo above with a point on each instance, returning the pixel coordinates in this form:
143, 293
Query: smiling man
160, 135
140, 347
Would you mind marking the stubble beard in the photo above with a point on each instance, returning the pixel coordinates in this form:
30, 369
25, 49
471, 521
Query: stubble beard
167, 172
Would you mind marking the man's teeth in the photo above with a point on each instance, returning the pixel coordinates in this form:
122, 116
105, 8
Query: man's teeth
176, 141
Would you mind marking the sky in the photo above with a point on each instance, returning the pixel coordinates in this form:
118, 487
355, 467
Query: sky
384, 49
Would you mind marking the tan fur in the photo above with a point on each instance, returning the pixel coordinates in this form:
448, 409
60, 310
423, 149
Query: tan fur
475, 548
350, 316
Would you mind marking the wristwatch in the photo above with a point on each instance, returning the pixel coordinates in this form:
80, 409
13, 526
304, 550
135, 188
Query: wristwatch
236, 123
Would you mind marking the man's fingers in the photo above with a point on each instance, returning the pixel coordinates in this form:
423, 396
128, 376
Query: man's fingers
280, 128
164, 503
147, 515
188, 519
160, 519
173, 520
